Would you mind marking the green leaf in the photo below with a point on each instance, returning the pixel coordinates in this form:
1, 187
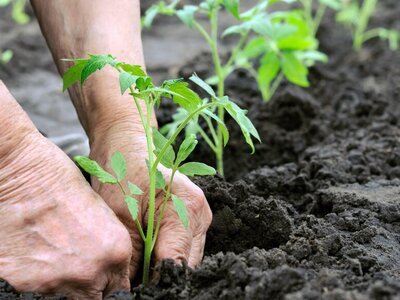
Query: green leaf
201, 83
160, 181
255, 47
118, 164
135, 70
93, 168
294, 70
133, 206
187, 147
186, 15
239, 115
221, 124
134, 189
196, 169
181, 210
233, 7
267, 72
73, 74
181, 94
96, 62
4, 2
159, 142
126, 80
6, 56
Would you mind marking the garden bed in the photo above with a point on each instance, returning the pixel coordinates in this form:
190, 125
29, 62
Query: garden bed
315, 212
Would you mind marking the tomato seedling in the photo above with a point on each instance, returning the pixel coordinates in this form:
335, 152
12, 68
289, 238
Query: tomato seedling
6, 56
314, 18
160, 149
270, 46
356, 17
18, 10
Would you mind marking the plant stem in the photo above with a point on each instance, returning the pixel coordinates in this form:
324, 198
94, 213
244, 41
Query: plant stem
152, 198
318, 17
221, 88
164, 204
178, 131
367, 9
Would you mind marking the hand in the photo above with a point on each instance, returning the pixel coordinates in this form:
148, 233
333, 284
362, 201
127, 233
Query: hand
58, 236
174, 241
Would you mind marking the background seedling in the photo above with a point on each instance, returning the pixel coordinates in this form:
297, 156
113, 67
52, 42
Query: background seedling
160, 149
270, 46
314, 17
356, 17
6, 56
18, 10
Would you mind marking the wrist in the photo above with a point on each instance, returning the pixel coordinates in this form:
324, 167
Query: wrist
101, 107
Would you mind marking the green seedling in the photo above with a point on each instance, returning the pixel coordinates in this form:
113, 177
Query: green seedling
314, 17
6, 56
146, 96
18, 10
271, 46
356, 17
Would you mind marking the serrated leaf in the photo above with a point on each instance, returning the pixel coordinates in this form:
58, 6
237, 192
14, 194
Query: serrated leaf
196, 169
181, 210
221, 125
187, 147
182, 95
267, 72
159, 142
118, 164
133, 206
233, 7
126, 80
134, 189
186, 15
201, 83
160, 181
239, 115
96, 62
294, 70
135, 70
93, 168
73, 74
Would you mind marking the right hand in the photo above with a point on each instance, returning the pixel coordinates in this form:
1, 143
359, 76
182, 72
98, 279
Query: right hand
57, 235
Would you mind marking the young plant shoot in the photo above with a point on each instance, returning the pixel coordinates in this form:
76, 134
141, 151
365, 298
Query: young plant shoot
140, 86
314, 18
281, 44
356, 17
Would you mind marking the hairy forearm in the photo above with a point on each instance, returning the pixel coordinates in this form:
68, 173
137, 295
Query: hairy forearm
74, 28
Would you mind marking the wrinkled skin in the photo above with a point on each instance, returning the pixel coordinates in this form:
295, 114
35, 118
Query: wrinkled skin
174, 240
58, 234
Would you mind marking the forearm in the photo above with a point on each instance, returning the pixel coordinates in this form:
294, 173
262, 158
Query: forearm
74, 28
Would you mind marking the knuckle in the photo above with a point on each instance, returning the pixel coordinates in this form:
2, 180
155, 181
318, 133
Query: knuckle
119, 248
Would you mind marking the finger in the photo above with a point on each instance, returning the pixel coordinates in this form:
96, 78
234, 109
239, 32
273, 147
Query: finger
174, 241
197, 250
118, 281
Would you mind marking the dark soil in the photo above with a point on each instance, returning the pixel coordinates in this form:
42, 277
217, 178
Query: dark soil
315, 212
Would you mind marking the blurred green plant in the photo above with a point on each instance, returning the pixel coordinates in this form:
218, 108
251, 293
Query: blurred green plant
314, 11
18, 10
270, 46
356, 17
6, 56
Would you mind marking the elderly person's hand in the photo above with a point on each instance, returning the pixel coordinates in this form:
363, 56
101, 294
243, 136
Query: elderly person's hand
57, 235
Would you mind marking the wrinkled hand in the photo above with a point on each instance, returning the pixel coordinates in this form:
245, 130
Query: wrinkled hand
57, 235
174, 241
